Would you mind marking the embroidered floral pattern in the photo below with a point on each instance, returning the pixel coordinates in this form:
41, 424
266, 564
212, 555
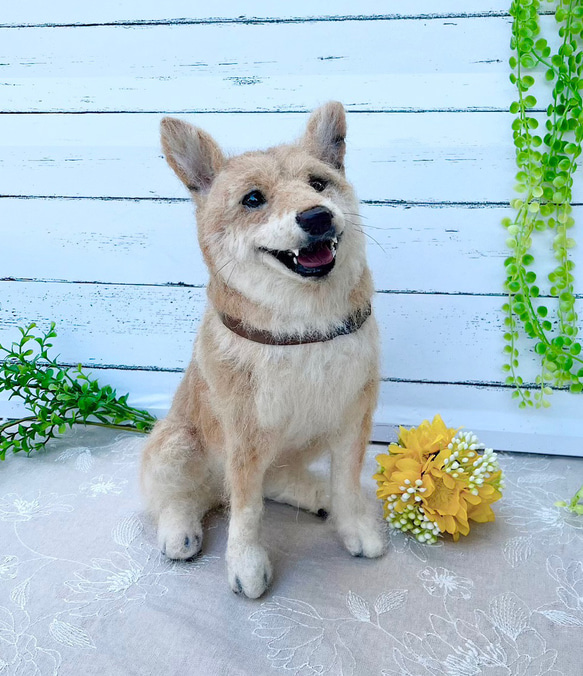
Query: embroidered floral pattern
20, 652
102, 485
568, 609
401, 543
8, 567
442, 582
110, 584
498, 641
80, 570
532, 510
82, 456
15, 508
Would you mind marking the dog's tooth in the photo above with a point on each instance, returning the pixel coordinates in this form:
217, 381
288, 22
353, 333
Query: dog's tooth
296, 252
335, 240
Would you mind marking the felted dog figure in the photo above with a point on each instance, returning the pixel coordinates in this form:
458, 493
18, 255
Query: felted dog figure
285, 364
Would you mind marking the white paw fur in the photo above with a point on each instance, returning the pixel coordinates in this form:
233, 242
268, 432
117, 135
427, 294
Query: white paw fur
303, 491
363, 536
179, 535
249, 570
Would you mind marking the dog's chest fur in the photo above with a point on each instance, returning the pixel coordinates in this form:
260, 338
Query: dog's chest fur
304, 391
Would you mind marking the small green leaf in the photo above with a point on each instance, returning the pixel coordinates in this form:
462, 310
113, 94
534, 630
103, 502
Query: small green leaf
54, 399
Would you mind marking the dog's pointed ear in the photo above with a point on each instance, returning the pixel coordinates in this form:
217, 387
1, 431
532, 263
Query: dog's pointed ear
325, 134
193, 154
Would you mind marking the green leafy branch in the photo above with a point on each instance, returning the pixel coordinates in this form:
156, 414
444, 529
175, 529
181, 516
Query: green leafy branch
56, 396
544, 180
576, 504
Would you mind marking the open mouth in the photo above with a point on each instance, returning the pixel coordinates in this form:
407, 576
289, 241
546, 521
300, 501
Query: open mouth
315, 260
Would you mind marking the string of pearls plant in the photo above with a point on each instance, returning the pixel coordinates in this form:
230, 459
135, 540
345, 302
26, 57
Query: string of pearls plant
546, 164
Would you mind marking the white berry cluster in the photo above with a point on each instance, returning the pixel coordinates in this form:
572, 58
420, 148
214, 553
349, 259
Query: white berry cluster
412, 518
464, 463
464, 460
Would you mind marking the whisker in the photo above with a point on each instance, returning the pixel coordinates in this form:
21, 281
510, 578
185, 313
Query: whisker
225, 265
366, 234
352, 213
364, 225
371, 227
375, 241
230, 273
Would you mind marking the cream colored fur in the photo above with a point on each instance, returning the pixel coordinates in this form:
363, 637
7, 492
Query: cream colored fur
248, 418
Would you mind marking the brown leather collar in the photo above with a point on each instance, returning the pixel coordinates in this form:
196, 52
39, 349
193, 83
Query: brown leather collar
351, 324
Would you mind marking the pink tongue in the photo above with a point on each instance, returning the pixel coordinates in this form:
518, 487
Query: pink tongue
315, 259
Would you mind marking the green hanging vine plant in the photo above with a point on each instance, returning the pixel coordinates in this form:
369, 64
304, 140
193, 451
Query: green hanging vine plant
546, 164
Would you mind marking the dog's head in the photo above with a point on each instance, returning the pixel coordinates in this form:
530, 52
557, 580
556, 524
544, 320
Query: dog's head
274, 219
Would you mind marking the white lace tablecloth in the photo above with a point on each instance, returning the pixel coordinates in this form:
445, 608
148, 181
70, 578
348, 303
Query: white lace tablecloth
84, 590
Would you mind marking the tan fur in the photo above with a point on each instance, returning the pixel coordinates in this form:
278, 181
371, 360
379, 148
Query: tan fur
248, 418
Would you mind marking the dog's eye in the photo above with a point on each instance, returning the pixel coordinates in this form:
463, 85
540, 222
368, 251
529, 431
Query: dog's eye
254, 199
319, 184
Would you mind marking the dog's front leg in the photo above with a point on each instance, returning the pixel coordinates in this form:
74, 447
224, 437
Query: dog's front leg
248, 565
353, 514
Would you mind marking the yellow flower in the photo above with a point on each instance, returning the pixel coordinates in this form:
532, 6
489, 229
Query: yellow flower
424, 440
433, 481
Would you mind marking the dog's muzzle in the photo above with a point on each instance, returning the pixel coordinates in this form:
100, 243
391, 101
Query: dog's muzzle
318, 257
317, 222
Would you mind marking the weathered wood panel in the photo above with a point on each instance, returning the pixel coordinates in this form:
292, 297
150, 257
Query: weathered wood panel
439, 157
70, 12
244, 68
435, 183
487, 411
430, 338
425, 249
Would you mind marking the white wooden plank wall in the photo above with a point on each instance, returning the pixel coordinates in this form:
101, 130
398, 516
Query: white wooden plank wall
98, 235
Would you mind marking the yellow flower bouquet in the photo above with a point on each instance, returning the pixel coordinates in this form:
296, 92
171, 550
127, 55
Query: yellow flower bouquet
436, 480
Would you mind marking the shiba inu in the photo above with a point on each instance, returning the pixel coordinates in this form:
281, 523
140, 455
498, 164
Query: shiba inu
285, 364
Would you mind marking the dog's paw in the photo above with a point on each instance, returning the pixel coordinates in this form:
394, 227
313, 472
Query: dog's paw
249, 570
180, 545
364, 539
307, 492
179, 538
318, 501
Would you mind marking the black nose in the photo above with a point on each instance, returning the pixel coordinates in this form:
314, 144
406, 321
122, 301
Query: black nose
316, 221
